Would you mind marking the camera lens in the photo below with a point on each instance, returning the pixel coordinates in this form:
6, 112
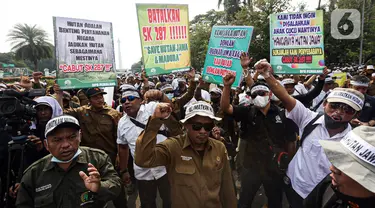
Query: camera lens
7, 107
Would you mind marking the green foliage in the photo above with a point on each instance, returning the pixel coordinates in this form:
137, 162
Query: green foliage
8, 58
255, 13
30, 43
200, 31
137, 67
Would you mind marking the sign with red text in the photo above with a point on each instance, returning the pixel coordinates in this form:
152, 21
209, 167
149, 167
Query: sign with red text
84, 53
297, 42
164, 33
226, 45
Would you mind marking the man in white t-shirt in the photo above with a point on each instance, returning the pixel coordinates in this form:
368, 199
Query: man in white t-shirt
310, 165
149, 180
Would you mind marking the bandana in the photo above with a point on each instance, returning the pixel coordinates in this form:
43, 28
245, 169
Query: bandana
359, 84
130, 93
259, 88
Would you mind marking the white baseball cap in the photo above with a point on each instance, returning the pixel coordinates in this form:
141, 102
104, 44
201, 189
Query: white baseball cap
61, 121
200, 108
354, 155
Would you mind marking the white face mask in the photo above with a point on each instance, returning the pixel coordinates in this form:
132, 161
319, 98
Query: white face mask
261, 101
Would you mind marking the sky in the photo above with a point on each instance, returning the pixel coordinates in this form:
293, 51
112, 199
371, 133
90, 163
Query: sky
121, 13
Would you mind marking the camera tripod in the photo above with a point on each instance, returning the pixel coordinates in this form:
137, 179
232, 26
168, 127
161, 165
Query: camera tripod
17, 144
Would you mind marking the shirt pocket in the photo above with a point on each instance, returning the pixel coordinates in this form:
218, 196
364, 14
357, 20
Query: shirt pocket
185, 173
45, 201
106, 124
312, 148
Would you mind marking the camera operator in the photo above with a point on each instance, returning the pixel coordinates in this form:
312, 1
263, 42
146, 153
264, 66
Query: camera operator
46, 109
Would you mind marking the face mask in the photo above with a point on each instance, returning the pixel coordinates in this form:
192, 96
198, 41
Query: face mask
274, 98
332, 124
261, 101
54, 159
169, 95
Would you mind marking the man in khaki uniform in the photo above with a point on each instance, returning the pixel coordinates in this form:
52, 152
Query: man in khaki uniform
71, 176
98, 123
197, 166
99, 127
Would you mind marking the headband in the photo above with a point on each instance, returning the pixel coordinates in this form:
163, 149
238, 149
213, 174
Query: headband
130, 93
259, 88
360, 84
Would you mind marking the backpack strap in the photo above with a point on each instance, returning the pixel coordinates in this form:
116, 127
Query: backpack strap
142, 126
320, 102
309, 128
328, 198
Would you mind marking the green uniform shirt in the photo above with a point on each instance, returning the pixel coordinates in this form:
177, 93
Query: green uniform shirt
45, 184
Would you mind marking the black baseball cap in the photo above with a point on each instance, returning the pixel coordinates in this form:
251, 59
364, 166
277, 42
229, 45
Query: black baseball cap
94, 91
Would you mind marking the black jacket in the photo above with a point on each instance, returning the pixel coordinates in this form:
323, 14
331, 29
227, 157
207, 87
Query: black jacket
325, 195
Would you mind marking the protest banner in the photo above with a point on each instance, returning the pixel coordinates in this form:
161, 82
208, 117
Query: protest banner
84, 53
296, 43
340, 78
164, 34
224, 51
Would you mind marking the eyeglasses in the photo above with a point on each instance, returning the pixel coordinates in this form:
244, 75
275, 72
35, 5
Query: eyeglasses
256, 93
130, 98
199, 126
346, 108
168, 92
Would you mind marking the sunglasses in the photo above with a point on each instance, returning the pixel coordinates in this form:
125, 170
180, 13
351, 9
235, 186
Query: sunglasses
130, 98
199, 126
344, 107
258, 93
168, 92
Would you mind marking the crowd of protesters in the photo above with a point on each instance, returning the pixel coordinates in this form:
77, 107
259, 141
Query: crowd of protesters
181, 141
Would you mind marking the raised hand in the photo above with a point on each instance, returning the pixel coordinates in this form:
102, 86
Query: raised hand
92, 181
216, 133
325, 73
191, 74
229, 79
245, 60
163, 111
263, 67
153, 95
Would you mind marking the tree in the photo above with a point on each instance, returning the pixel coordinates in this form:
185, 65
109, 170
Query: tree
199, 33
30, 43
137, 67
8, 58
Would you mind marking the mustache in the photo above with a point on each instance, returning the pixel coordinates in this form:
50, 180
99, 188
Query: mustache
336, 117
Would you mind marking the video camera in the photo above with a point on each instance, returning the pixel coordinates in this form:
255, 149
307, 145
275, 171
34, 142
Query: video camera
17, 110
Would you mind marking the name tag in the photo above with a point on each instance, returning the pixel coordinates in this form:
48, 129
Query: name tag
186, 158
42, 188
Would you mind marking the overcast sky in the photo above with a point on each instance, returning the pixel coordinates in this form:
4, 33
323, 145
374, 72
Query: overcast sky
121, 13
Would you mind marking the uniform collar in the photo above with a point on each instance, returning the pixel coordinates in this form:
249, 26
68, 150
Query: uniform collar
80, 159
187, 142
